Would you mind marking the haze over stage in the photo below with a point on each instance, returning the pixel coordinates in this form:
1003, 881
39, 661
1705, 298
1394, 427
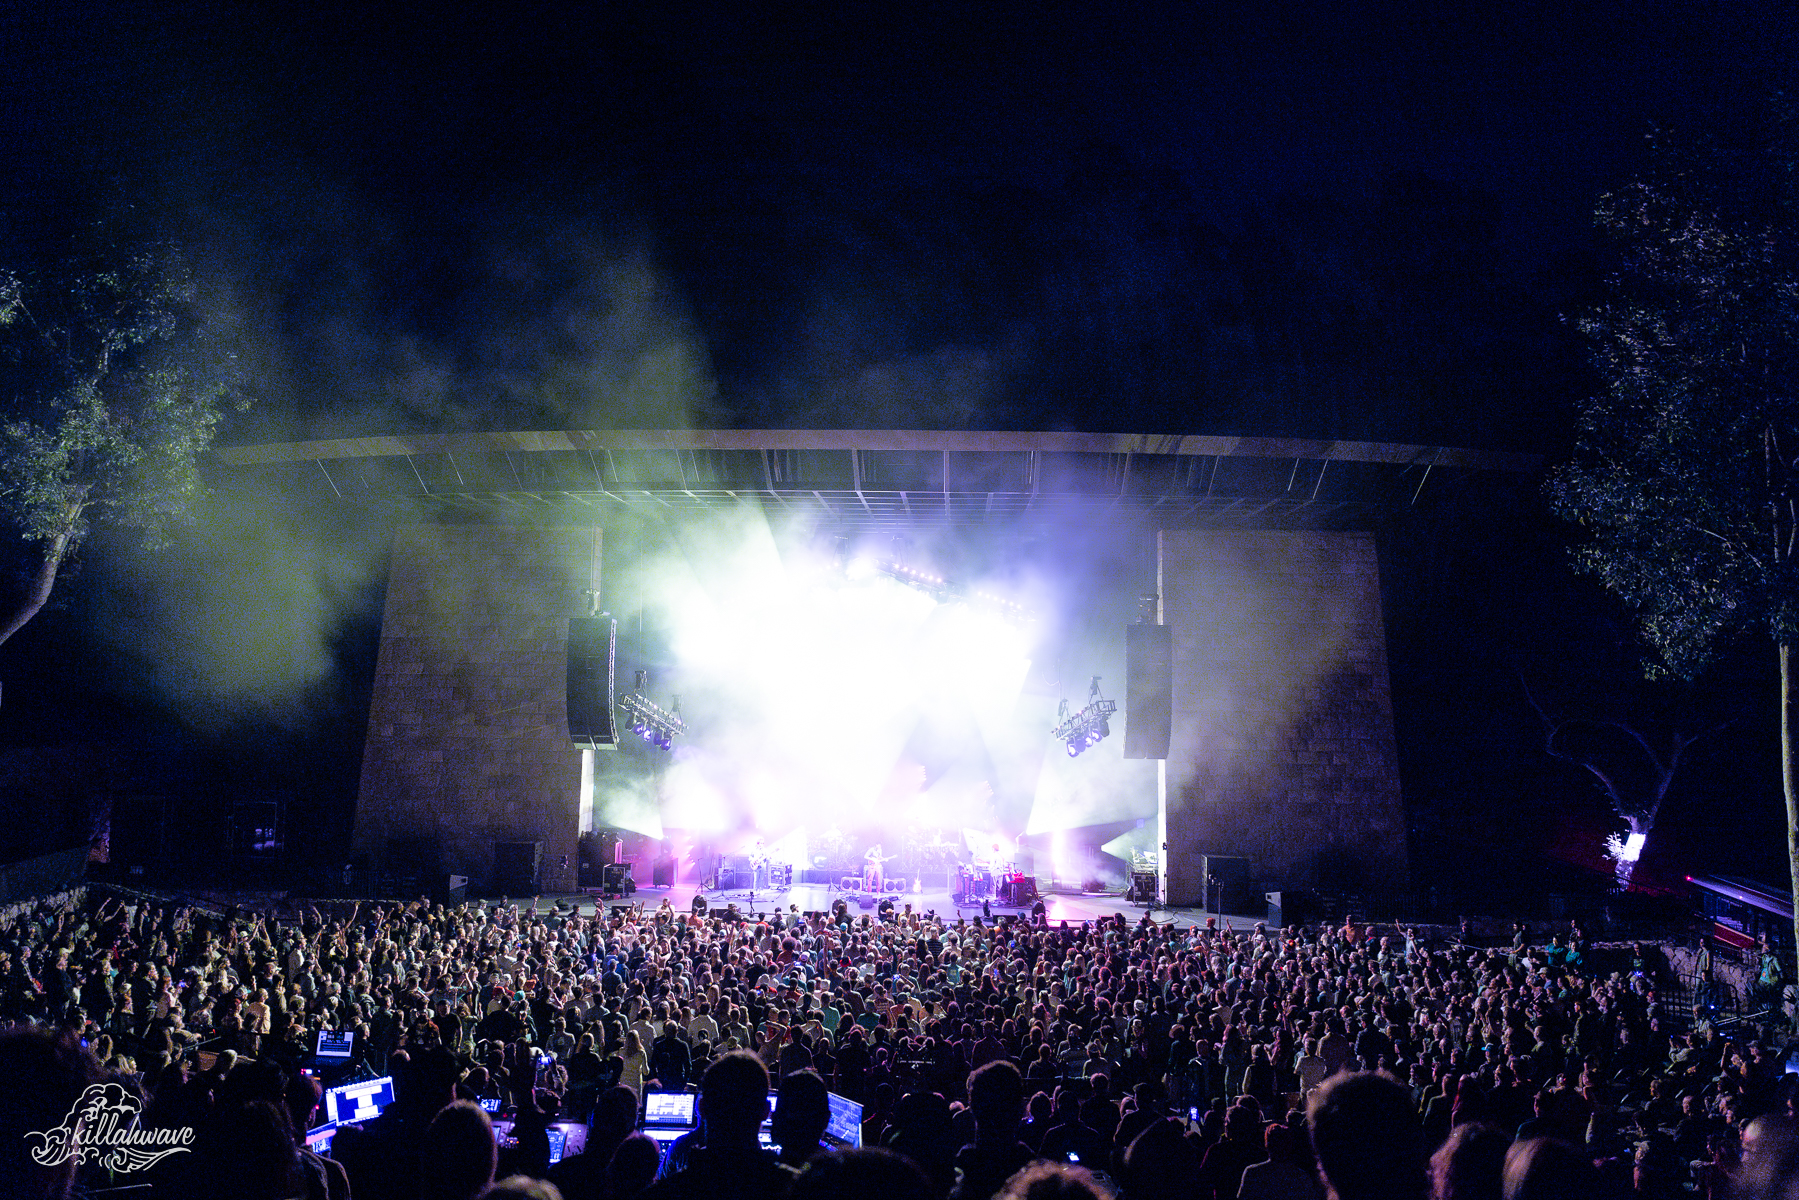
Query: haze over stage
844, 691
821, 692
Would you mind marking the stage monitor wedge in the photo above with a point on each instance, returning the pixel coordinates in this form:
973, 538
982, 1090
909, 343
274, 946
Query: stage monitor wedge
592, 680
1148, 690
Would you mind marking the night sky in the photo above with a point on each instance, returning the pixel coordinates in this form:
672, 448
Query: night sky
1341, 221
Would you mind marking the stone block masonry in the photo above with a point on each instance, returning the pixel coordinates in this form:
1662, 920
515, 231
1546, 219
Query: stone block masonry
468, 730
1282, 746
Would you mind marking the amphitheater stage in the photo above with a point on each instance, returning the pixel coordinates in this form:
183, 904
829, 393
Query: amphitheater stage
1074, 909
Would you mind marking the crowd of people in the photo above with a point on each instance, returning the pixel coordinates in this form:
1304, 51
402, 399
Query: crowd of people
1034, 1060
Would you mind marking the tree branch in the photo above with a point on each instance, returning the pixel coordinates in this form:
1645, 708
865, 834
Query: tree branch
1665, 778
1664, 773
38, 592
1555, 728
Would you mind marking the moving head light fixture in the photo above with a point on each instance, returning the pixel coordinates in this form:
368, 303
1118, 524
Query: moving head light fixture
1087, 728
650, 721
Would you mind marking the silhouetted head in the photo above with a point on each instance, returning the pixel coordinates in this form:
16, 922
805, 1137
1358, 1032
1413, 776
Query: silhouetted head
734, 1096
458, 1155
1367, 1137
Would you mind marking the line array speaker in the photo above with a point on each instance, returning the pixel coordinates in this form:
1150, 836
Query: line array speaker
592, 680
1148, 690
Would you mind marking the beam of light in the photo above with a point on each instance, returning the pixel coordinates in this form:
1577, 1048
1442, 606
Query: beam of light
1132, 842
1099, 786
689, 801
624, 801
950, 801
585, 824
990, 845
1061, 858
790, 849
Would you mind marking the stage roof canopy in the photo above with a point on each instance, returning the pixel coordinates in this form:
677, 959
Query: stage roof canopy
872, 479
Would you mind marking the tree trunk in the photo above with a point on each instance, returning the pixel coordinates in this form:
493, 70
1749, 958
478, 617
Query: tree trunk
45, 578
1787, 780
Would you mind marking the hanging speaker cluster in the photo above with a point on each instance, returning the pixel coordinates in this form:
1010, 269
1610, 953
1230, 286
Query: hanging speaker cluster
1148, 689
592, 671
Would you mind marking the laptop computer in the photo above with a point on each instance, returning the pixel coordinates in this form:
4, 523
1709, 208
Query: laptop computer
669, 1115
359, 1101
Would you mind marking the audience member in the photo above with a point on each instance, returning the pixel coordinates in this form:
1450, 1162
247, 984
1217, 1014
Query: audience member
632, 1169
996, 1097
43, 1074
1367, 1139
457, 1156
1548, 1169
1470, 1165
801, 1115
1280, 1176
867, 1174
1055, 1181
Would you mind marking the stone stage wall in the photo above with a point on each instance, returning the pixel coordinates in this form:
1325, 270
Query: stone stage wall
1282, 740
468, 736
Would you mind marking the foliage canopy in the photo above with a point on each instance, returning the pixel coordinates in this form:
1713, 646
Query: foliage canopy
1685, 476
111, 392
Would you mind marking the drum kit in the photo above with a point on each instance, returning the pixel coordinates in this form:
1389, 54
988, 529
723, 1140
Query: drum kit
994, 877
973, 883
1004, 884
753, 872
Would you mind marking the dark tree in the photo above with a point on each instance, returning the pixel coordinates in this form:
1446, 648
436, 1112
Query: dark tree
111, 394
1685, 476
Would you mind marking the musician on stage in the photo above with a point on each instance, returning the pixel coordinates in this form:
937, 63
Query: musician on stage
873, 874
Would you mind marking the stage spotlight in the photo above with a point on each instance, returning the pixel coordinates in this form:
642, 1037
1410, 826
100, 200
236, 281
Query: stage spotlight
1089, 727
653, 723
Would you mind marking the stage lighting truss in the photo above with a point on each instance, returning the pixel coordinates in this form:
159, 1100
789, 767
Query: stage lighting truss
943, 591
1087, 728
650, 721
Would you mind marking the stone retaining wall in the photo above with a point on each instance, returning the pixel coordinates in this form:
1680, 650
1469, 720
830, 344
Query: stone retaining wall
1282, 749
468, 729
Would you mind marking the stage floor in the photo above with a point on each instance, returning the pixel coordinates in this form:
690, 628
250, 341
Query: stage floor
819, 897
